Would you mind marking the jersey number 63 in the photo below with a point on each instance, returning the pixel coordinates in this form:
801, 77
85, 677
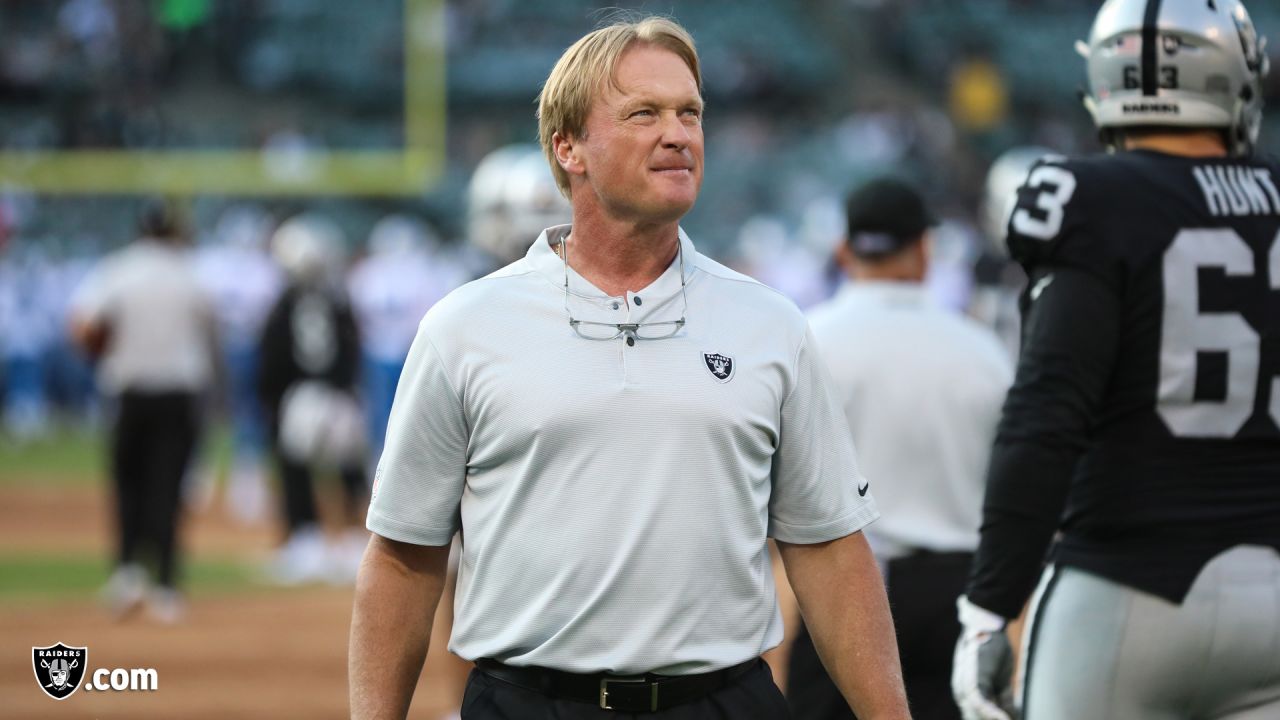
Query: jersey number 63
1186, 332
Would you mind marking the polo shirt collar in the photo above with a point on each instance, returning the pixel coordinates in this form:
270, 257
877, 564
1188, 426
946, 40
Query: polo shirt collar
543, 258
883, 292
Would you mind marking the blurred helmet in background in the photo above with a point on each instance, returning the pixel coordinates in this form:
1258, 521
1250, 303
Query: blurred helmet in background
399, 234
309, 248
1194, 63
243, 226
1000, 193
511, 199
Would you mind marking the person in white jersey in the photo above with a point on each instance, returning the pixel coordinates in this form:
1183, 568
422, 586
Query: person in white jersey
616, 424
143, 312
922, 388
391, 288
244, 283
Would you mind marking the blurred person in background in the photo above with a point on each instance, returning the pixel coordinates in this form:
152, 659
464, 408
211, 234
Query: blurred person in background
309, 370
769, 253
391, 289
244, 283
997, 278
144, 315
27, 336
69, 372
1139, 448
921, 386
614, 476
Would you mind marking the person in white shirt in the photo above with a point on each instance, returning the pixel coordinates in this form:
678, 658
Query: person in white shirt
143, 313
921, 387
616, 424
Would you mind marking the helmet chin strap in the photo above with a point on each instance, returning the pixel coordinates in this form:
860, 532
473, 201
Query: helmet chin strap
1240, 142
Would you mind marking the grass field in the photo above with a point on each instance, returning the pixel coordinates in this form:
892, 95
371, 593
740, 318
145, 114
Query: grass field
36, 577
66, 457
72, 461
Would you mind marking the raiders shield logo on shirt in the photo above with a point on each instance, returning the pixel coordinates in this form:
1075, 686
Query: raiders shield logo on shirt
59, 669
721, 366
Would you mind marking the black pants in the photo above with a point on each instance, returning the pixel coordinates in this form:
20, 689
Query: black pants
922, 597
753, 696
151, 446
299, 494
298, 488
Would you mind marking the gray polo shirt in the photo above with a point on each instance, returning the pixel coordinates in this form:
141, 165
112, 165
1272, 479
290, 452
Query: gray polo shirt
614, 500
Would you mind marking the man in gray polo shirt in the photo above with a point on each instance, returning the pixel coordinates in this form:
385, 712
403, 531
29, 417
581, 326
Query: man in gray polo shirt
615, 424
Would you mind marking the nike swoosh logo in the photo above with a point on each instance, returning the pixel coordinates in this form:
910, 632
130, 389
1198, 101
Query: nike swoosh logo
862, 489
1040, 286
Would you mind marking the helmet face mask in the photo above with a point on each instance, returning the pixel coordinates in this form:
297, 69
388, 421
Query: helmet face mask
1192, 64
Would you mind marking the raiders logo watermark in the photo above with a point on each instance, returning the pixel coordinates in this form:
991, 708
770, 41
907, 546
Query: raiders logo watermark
62, 669
59, 669
721, 366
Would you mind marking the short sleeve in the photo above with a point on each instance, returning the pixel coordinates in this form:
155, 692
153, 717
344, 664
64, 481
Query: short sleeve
419, 481
91, 301
818, 493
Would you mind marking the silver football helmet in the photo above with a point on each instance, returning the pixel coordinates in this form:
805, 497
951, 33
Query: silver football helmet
310, 248
511, 199
1000, 192
1192, 63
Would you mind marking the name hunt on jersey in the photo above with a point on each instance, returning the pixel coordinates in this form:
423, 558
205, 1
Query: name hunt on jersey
1237, 190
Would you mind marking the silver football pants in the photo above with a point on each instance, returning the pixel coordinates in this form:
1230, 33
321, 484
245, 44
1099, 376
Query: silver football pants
1098, 650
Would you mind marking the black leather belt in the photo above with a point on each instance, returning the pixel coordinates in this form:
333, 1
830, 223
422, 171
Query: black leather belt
623, 693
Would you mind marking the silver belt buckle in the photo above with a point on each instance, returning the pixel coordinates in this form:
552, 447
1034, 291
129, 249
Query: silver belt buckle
604, 691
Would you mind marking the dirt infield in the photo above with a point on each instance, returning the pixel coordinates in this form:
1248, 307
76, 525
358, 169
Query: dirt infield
257, 652
280, 655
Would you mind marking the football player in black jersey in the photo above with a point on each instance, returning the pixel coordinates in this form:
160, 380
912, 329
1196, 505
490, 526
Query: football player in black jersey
1143, 429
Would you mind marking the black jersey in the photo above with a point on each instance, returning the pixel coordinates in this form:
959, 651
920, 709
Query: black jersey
310, 334
1144, 423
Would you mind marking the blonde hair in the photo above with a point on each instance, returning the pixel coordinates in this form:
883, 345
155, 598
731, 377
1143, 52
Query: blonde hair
582, 70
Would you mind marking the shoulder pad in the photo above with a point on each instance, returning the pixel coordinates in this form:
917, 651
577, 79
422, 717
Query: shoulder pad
1048, 215
1083, 213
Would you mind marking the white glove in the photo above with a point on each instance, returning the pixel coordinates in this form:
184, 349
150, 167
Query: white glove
982, 670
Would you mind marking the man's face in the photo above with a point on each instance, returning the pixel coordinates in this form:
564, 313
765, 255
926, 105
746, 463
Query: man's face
642, 150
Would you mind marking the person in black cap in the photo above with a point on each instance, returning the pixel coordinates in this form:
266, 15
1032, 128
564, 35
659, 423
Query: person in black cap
888, 224
921, 387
